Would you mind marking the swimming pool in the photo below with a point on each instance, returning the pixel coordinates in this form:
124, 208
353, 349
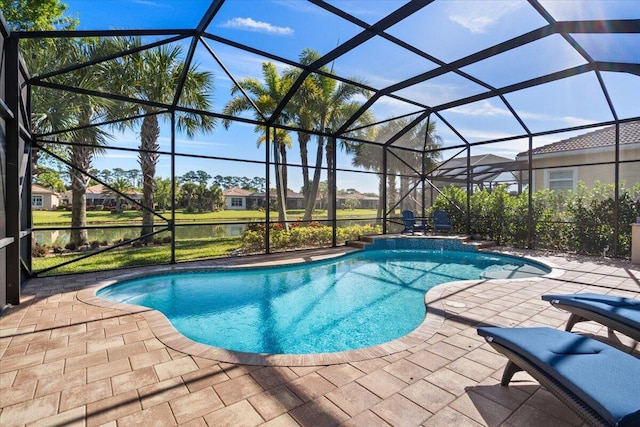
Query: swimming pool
355, 301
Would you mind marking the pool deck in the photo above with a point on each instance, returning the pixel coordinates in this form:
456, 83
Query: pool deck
67, 359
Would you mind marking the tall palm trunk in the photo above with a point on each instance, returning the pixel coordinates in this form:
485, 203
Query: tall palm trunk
148, 158
391, 191
404, 192
303, 141
315, 184
310, 199
331, 181
81, 157
380, 211
285, 177
280, 191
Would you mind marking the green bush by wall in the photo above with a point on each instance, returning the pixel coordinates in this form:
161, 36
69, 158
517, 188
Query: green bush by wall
580, 221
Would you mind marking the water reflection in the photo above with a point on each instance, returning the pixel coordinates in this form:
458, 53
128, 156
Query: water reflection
111, 235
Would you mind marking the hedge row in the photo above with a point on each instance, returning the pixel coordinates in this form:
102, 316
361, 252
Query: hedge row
301, 236
580, 221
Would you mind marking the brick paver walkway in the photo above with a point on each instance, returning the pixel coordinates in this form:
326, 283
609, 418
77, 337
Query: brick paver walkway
64, 361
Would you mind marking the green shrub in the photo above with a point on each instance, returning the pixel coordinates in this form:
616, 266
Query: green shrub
39, 251
577, 221
301, 236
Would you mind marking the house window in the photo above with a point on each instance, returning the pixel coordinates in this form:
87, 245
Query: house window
36, 201
561, 179
236, 201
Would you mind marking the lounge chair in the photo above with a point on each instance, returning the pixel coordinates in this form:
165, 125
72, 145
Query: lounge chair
617, 313
598, 382
441, 221
409, 220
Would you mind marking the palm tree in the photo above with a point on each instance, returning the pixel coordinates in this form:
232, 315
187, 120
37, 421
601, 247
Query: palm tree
303, 104
265, 97
217, 197
418, 138
119, 187
162, 192
155, 75
72, 110
321, 103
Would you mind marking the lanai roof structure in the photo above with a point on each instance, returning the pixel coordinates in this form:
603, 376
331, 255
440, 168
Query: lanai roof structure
484, 170
578, 63
386, 97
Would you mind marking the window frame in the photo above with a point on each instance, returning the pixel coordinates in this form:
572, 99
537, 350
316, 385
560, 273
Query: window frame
34, 197
548, 180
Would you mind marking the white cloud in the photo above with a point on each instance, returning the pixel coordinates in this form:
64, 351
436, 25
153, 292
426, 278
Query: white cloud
250, 24
478, 16
486, 109
182, 143
432, 93
510, 150
484, 135
566, 121
151, 3
574, 121
387, 107
117, 156
482, 108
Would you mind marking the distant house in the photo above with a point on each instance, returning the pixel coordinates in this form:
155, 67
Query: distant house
237, 198
294, 200
100, 195
552, 162
365, 202
43, 198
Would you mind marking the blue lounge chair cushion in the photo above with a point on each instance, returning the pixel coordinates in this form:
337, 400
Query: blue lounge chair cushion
623, 310
603, 377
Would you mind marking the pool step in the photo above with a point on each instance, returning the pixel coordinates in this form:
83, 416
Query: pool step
360, 244
480, 244
363, 241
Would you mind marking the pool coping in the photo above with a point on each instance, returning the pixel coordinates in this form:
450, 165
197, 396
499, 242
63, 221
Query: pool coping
171, 337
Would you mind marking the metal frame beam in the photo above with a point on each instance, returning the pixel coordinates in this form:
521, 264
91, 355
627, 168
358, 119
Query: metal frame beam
14, 158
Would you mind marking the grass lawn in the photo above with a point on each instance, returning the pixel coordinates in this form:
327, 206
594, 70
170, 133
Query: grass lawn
186, 250
193, 242
63, 218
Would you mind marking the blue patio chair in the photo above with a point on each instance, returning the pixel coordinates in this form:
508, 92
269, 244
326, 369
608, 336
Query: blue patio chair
409, 220
441, 221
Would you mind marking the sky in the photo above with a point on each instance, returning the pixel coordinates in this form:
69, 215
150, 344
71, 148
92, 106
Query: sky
448, 30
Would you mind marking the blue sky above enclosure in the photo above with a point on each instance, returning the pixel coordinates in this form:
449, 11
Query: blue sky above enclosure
439, 34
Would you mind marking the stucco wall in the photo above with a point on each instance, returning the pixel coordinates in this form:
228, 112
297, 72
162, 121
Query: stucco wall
236, 208
629, 173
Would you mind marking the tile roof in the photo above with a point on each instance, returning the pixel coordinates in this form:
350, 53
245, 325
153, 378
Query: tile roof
236, 191
42, 190
629, 133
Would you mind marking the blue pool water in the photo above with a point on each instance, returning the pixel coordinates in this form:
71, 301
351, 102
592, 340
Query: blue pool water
355, 301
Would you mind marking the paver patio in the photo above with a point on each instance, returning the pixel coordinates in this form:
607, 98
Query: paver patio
64, 361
